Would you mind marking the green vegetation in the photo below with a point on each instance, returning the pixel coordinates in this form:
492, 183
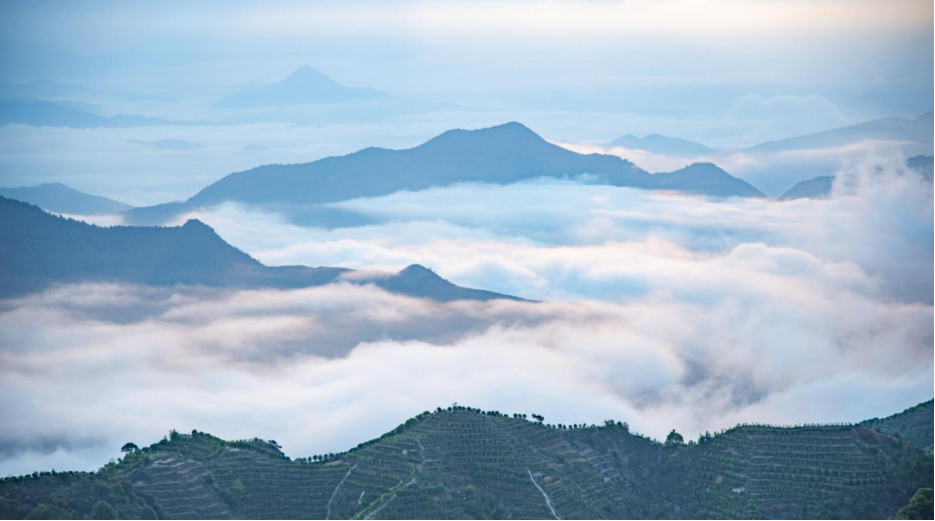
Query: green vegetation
919, 507
914, 425
462, 462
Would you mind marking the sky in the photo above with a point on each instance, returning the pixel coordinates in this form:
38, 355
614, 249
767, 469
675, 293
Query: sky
662, 310
656, 57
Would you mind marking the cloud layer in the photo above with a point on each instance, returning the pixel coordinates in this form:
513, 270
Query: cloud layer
661, 310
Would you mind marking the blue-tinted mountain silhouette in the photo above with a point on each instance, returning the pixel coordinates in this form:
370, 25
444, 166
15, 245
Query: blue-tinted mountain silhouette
658, 144
815, 188
48, 114
59, 198
917, 130
304, 86
39, 250
503, 154
820, 187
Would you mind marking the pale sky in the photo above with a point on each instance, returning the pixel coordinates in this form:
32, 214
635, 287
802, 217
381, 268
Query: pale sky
869, 58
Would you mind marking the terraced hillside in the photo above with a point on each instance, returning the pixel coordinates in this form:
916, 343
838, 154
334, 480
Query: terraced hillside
465, 463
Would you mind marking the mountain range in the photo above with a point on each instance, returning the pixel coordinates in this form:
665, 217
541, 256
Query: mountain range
502, 154
39, 250
464, 463
658, 144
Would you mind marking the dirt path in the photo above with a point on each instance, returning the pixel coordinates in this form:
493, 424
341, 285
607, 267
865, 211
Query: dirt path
336, 489
548, 500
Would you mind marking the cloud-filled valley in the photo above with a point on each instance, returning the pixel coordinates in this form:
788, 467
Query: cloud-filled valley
662, 310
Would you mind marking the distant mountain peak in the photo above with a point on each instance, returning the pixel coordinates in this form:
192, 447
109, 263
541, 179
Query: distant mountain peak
306, 74
304, 86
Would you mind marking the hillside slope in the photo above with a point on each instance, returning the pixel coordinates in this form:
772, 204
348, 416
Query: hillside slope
38, 250
465, 463
914, 425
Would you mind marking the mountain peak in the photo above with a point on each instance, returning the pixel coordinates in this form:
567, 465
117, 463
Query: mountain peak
306, 74
417, 269
506, 134
195, 224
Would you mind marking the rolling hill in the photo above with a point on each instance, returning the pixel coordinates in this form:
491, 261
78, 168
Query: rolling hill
59, 198
464, 463
39, 250
503, 154
658, 144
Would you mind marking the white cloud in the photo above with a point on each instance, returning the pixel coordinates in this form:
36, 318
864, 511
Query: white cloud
664, 311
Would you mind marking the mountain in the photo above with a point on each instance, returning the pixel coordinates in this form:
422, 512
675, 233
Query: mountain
914, 425
918, 131
38, 89
502, 154
58, 198
820, 187
304, 86
39, 250
657, 144
816, 188
706, 179
464, 463
48, 114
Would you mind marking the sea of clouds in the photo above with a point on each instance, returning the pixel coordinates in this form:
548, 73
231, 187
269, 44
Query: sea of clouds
662, 310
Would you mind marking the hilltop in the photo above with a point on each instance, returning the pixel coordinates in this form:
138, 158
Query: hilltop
460, 462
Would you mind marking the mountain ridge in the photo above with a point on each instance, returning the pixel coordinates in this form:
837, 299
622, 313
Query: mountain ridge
461, 462
501, 154
39, 250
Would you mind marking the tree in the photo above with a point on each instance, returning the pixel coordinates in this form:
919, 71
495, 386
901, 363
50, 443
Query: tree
919, 507
129, 447
103, 510
674, 438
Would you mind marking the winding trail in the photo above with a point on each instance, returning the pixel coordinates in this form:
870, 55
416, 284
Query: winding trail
336, 489
548, 500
